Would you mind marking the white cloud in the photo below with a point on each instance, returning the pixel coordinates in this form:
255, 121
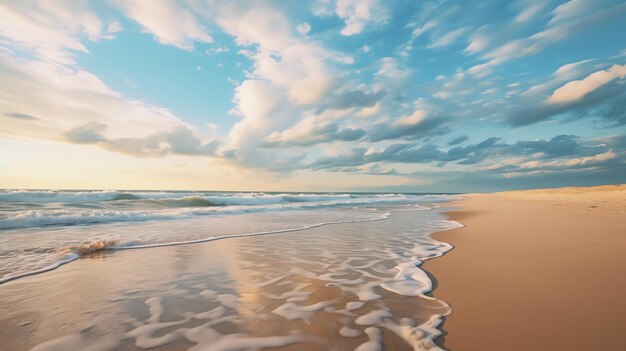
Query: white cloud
417, 32
415, 118
303, 28
260, 103
310, 131
576, 90
216, 50
565, 72
357, 14
52, 30
478, 43
530, 11
68, 98
570, 70
300, 69
566, 19
369, 111
448, 38
169, 21
114, 27
571, 10
392, 77
572, 162
256, 24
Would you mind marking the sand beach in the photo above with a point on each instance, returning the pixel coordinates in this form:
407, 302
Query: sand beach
536, 270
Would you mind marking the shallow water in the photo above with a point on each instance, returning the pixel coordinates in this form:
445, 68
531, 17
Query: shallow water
339, 286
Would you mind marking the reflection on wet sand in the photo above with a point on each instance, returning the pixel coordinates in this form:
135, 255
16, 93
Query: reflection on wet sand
342, 286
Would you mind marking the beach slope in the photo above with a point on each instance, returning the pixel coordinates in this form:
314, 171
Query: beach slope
536, 270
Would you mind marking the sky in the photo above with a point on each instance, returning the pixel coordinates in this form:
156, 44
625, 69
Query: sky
323, 95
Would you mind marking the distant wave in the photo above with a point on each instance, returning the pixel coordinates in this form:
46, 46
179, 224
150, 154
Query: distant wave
54, 196
113, 206
51, 196
212, 198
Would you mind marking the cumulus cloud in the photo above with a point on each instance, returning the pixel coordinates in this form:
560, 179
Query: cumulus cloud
296, 64
291, 75
169, 21
299, 68
357, 14
262, 105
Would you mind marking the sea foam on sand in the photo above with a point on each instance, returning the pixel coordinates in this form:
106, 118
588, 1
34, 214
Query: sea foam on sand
339, 287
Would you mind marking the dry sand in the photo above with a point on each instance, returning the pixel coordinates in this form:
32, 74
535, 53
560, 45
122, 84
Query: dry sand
536, 270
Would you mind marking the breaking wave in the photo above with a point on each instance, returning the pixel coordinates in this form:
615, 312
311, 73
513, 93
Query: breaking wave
82, 208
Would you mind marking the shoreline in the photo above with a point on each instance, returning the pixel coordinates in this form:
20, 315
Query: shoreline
537, 269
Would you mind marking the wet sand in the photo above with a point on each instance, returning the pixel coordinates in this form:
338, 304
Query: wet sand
536, 270
334, 287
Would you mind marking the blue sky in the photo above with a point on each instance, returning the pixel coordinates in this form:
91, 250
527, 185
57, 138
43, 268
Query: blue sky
323, 95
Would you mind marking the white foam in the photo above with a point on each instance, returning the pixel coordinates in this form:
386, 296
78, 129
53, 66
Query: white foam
375, 342
421, 337
228, 300
66, 259
156, 309
215, 313
204, 337
292, 311
365, 292
349, 332
373, 317
354, 305
291, 296
217, 342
